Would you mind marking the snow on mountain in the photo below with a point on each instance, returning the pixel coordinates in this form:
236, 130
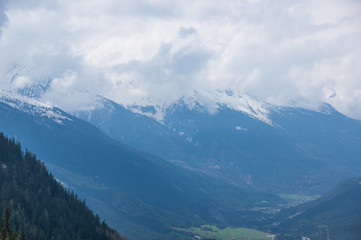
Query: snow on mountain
21, 82
210, 101
243, 103
32, 106
326, 108
17, 71
205, 100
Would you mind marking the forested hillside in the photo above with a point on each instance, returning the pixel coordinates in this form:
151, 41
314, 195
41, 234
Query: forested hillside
35, 206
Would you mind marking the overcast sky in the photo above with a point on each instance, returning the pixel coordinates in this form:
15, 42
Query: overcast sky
134, 50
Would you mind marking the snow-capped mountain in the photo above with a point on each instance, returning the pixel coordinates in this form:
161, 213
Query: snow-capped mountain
241, 139
238, 138
18, 77
213, 101
32, 106
205, 100
210, 101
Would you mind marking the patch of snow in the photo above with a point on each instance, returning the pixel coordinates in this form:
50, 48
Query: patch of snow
216, 167
272, 236
326, 109
241, 128
294, 215
245, 103
158, 113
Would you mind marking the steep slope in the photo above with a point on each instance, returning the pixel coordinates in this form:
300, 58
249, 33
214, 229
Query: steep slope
136, 130
38, 204
141, 195
242, 140
315, 153
337, 215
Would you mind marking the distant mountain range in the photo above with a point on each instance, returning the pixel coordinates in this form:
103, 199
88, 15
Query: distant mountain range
228, 148
139, 194
240, 139
221, 152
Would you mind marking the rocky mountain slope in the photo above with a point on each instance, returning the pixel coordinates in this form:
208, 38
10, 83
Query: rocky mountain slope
241, 139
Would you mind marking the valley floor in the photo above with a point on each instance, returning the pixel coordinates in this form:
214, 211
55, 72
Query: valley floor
228, 233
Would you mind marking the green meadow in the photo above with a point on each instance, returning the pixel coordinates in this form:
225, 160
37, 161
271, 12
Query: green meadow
228, 233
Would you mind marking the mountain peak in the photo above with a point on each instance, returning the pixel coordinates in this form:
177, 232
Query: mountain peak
210, 101
327, 108
32, 106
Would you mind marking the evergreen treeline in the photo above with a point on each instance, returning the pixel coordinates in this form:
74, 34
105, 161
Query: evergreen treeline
34, 205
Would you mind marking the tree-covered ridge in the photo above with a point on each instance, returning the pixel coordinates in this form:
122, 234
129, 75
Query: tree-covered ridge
39, 205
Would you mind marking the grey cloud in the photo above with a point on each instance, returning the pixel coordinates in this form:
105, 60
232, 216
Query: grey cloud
29, 4
184, 32
167, 66
129, 50
3, 17
167, 76
186, 63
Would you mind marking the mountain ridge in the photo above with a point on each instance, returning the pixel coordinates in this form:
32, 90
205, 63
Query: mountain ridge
81, 154
229, 142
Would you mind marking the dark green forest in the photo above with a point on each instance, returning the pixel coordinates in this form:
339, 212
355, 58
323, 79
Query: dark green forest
33, 205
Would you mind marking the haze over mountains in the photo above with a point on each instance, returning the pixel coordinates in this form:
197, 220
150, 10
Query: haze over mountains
225, 157
140, 195
241, 139
186, 119
130, 51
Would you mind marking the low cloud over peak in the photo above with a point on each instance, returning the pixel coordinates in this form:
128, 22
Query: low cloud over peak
146, 49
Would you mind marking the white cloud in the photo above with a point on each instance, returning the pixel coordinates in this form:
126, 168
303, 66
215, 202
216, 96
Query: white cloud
21, 82
133, 51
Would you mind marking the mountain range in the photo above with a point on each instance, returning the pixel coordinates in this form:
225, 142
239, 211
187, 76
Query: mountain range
209, 158
240, 139
139, 194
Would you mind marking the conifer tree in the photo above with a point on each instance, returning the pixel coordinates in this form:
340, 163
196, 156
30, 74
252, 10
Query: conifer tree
5, 230
21, 234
